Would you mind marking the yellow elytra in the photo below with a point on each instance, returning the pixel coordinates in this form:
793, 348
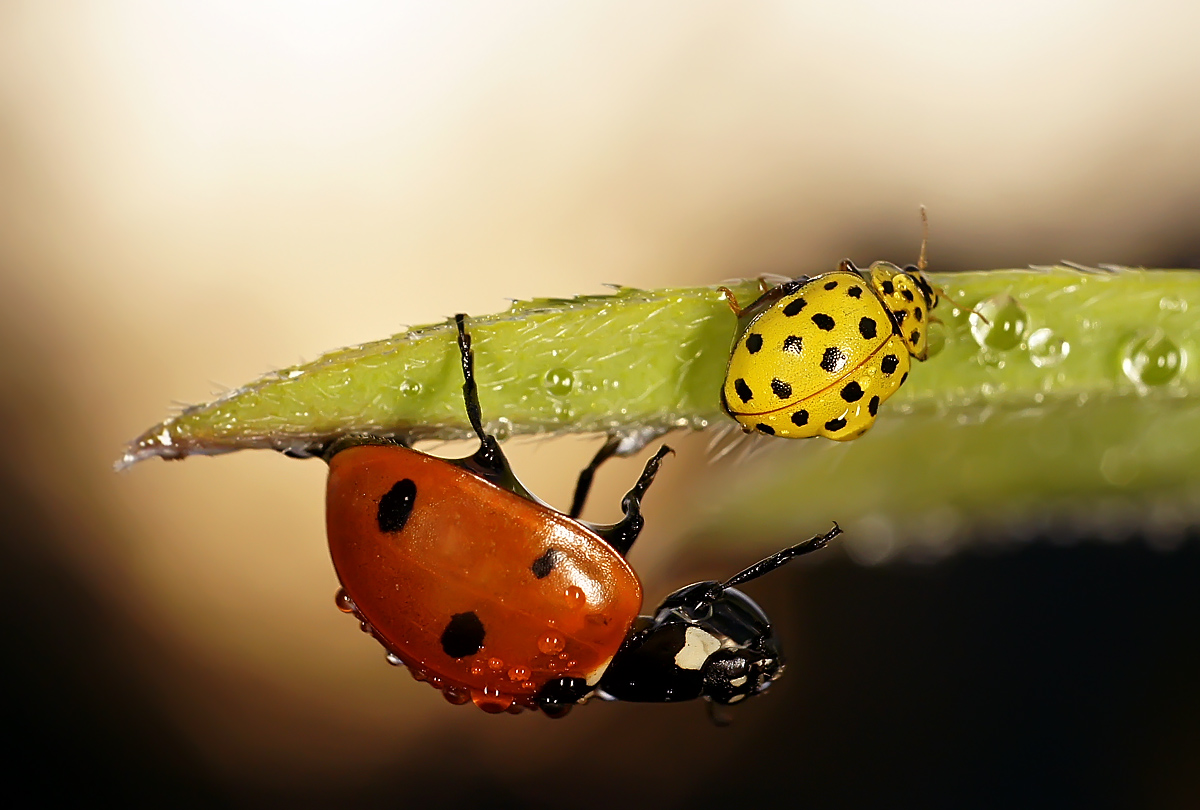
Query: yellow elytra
817, 356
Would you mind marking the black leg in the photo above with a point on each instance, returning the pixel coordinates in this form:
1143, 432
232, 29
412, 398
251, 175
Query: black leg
488, 457
621, 535
584, 485
781, 558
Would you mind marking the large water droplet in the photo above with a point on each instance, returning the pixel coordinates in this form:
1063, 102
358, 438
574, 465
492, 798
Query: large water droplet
409, 388
999, 323
559, 381
490, 701
1047, 349
1152, 359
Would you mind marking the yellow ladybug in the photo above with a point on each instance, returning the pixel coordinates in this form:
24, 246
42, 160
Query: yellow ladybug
816, 356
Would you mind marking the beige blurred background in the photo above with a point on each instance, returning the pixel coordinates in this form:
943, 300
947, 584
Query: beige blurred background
192, 194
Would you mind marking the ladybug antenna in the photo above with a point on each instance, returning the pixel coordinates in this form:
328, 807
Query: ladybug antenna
780, 558
922, 263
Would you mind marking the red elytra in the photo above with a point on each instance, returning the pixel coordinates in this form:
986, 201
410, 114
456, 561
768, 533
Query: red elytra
478, 590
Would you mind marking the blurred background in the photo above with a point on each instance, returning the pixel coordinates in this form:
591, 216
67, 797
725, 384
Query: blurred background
192, 194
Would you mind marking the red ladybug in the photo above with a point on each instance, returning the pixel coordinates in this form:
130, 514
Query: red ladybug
492, 596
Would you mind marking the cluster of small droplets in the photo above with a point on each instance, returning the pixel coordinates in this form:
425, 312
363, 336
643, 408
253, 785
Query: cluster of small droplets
1149, 359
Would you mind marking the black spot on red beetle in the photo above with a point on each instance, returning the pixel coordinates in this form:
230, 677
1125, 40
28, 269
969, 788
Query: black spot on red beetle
833, 360
463, 635
753, 342
852, 392
873, 406
831, 285
887, 287
800, 418
867, 328
782, 390
792, 343
823, 321
889, 364
544, 564
834, 425
794, 307
396, 505
854, 292
767, 429
743, 391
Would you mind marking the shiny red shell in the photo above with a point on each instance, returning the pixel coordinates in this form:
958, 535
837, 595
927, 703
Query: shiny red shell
549, 597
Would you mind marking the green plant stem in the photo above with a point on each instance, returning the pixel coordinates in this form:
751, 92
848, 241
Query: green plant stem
655, 359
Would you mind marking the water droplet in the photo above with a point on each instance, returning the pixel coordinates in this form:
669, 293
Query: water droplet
1152, 359
495, 664
1047, 349
1172, 303
1005, 325
343, 601
477, 669
550, 643
576, 598
490, 701
456, 695
409, 388
559, 381
502, 429
395, 660
518, 673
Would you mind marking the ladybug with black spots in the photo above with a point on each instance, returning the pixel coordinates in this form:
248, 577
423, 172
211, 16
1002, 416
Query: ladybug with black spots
495, 598
818, 356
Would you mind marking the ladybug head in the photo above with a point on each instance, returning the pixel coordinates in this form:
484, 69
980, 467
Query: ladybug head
741, 654
927, 289
707, 640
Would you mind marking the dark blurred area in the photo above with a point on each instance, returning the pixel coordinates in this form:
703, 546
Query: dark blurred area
197, 193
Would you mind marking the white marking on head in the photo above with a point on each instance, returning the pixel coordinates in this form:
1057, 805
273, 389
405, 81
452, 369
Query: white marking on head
741, 681
697, 647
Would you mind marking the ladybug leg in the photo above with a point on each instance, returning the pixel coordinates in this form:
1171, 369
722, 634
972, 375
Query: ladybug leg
622, 534
584, 485
731, 299
488, 460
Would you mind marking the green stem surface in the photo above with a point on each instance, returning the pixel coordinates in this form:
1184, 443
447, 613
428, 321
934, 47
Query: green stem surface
655, 359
